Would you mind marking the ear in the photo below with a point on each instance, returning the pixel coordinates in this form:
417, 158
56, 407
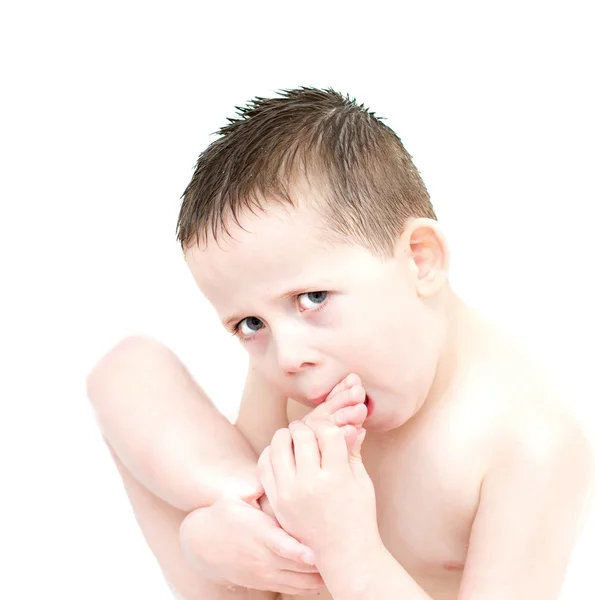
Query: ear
427, 255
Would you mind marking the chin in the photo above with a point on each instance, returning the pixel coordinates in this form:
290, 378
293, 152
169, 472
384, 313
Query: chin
388, 415
388, 424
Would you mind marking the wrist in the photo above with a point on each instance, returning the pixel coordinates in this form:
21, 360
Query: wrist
352, 567
345, 554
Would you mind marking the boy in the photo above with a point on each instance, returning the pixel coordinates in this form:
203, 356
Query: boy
308, 228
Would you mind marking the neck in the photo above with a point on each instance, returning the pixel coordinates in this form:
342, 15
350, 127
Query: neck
460, 324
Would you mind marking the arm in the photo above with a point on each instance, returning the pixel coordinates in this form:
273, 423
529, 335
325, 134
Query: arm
531, 506
531, 509
323, 496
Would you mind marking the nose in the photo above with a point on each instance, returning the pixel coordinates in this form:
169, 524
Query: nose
293, 353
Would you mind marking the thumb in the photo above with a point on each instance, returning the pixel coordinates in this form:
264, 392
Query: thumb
355, 455
356, 450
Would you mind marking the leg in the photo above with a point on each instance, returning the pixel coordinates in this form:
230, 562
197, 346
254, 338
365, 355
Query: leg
160, 525
164, 428
165, 437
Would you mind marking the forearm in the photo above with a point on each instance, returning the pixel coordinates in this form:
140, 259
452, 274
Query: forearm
166, 431
356, 573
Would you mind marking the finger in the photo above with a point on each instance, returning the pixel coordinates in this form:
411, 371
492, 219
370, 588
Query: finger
347, 382
355, 457
291, 592
267, 476
282, 458
349, 397
305, 449
294, 591
296, 567
356, 451
305, 581
350, 434
282, 544
265, 506
333, 448
350, 415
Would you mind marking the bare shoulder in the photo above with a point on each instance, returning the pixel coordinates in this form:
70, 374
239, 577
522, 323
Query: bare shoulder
535, 421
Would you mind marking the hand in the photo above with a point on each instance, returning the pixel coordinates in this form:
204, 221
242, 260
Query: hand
344, 407
235, 542
320, 493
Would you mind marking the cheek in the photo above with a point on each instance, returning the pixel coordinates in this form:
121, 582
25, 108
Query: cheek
257, 350
391, 342
256, 346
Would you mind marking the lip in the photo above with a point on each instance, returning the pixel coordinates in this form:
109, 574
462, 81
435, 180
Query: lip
370, 406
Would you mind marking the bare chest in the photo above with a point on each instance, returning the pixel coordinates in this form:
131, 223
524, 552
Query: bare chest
427, 493
427, 486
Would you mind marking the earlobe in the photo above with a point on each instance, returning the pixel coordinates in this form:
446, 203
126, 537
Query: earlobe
429, 253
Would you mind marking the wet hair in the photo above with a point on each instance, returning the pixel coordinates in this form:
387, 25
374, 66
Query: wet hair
366, 184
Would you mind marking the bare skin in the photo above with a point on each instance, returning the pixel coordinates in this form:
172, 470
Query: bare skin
425, 522
480, 477
465, 440
187, 488
428, 475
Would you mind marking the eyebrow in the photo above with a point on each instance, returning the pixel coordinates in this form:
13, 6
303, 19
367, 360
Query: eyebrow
285, 296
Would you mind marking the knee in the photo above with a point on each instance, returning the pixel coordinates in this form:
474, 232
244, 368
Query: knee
128, 354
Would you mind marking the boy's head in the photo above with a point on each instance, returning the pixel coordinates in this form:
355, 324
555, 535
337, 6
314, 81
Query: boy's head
309, 229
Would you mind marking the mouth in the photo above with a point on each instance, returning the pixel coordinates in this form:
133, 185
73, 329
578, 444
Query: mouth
369, 404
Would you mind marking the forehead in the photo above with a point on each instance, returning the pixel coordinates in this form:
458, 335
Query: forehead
269, 250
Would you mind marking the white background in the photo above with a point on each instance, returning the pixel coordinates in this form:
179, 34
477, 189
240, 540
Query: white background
105, 108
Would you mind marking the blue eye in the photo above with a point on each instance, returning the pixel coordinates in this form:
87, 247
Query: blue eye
248, 326
311, 299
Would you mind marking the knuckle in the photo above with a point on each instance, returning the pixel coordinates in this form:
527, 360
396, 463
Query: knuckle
301, 431
341, 414
276, 436
333, 433
281, 435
